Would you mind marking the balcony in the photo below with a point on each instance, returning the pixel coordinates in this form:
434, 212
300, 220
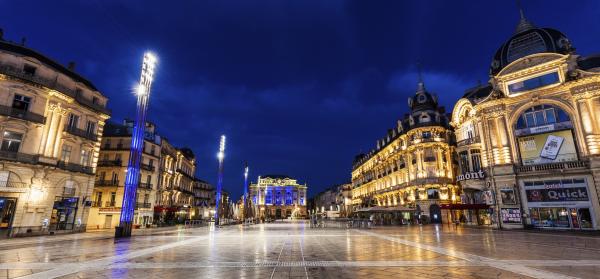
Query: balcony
97, 204
145, 186
81, 133
549, 167
19, 157
12, 184
119, 146
468, 141
431, 180
52, 84
101, 183
22, 114
143, 205
110, 204
74, 167
147, 167
110, 163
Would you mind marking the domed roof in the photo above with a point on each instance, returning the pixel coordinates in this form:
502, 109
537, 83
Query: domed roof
528, 40
422, 100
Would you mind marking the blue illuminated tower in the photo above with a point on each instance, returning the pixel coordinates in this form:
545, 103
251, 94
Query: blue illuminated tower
220, 156
132, 177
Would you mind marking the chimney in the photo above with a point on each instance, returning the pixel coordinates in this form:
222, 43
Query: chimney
71, 66
23, 41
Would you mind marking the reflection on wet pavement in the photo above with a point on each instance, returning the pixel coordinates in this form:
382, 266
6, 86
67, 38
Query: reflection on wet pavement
292, 250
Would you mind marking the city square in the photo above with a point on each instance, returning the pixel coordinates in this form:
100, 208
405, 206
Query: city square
295, 250
299, 139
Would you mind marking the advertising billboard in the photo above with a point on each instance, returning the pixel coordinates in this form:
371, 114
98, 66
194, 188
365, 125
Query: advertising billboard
562, 194
550, 147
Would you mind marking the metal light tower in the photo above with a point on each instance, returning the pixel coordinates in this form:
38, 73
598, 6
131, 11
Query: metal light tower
220, 156
132, 177
246, 170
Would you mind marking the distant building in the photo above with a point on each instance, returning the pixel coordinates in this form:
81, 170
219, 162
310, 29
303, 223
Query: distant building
177, 197
278, 196
204, 199
107, 198
334, 202
52, 121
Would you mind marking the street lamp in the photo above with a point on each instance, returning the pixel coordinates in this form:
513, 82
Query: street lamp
132, 176
220, 156
246, 170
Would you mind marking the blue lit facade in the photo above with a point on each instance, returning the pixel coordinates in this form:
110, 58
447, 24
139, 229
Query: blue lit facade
278, 196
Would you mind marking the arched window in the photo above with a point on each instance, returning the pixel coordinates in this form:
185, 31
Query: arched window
541, 115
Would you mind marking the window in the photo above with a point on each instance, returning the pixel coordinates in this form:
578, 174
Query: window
148, 179
107, 144
152, 149
65, 154
433, 194
21, 102
426, 135
476, 160
429, 156
85, 158
541, 115
115, 177
91, 127
28, 69
98, 198
533, 83
11, 141
151, 161
95, 100
73, 121
464, 161
118, 157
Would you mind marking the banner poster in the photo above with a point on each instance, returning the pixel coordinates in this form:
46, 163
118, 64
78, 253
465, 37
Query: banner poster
547, 148
511, 215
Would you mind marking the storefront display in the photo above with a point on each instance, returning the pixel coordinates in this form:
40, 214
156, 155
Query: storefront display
63, 213
7, 212
511, 215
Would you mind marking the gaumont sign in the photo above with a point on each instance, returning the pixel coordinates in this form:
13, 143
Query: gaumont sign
471, 175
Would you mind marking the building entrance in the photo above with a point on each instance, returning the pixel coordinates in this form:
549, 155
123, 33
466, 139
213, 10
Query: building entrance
63, 213
7, 212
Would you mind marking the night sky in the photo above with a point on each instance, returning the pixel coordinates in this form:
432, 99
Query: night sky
298, 87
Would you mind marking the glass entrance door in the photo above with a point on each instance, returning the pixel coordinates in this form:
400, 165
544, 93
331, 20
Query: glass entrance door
7, 211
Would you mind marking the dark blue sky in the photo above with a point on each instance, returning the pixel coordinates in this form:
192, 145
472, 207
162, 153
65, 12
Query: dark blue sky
299, 87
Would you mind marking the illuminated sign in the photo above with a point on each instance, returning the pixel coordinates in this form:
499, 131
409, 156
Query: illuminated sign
547, 148
471, 175
557, 194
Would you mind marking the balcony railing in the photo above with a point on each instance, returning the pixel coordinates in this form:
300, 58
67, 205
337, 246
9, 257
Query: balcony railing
22, 114
12, 184
468, 141
97, 204
147, 186
553, 166
110, 163
114, 147
81, 133
107, 183
74, 167
143, 205
110, 204
147, 167
19, 157
52, 84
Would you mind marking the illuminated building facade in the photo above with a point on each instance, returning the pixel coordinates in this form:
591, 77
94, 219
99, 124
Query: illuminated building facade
107, 198
334, 202
204, 199
411, 168
278, 197
534, 132
51, 126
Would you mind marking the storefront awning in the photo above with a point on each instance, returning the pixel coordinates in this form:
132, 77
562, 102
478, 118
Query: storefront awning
460, 206
385, 209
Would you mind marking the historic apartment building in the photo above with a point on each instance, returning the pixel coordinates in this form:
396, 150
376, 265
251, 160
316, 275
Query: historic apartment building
278, 197
335, 202
107, 198
411, 168
529, 142
51, 122
204, 199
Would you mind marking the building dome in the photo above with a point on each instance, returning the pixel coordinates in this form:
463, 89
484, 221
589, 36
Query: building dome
422, 100
528, 40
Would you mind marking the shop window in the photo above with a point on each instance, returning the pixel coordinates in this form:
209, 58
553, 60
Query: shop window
11, 141
533, 83
21, 102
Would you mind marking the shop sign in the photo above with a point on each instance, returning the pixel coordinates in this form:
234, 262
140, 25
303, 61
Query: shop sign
511, 215
557, 194
471, 175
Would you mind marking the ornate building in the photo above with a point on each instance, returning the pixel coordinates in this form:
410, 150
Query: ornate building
51, 124
534, 134
204, 199
278, 196
110, 176
411, 168
333, 202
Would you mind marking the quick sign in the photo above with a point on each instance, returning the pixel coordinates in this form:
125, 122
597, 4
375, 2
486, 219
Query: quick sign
471, 175
557, 194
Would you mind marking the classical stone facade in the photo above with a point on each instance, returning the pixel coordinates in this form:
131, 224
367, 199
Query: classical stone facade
534, 131
51, 122
335, 202
411, 168
278, 196
110, 176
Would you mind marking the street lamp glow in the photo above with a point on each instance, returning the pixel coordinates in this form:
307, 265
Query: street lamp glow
221, 153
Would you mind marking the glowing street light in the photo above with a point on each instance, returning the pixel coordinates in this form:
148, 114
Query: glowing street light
220, 156
246, 171
132, 176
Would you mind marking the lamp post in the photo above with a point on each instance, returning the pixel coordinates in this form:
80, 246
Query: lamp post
220, 156
132, 177
246, 170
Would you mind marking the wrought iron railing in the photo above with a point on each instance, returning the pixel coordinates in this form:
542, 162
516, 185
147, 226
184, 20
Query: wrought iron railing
553, 166
468, 141
22, 114
110, 163
74, 167
103, 182
81, 133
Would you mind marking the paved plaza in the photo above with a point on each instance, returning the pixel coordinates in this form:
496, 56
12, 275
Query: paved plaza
293, 250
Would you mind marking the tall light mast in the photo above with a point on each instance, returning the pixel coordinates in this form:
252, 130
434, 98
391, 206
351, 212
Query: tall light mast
132, 177
246, 170
220, 156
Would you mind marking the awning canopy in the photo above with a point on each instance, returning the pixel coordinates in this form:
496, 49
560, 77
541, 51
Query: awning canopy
385, 209
459, 206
